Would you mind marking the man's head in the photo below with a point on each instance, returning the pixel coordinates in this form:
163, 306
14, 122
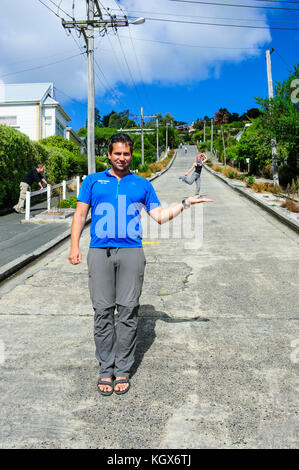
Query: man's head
120, 148
40, 168
122, 138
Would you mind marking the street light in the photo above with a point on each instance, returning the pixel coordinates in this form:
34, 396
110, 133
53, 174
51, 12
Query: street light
138, 21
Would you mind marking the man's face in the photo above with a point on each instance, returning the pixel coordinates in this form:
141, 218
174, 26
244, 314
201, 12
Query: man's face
120, 157
41, 169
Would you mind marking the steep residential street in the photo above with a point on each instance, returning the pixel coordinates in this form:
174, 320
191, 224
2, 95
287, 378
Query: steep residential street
218, 342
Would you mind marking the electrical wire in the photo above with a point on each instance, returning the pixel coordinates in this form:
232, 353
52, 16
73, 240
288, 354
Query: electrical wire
130, 73
234, 5
109, 88
221, 24
194, 45
201, 16
139, 68
41, 66
40, 1
59, 8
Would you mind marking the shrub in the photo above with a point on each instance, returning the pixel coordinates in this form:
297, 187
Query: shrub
70, 202
59, 142
259, 187
276, 189
61, 164
143, 168
16, 158
267, 171
290, 206
217, 168
230, 172
286, 174
250, 180
100, 165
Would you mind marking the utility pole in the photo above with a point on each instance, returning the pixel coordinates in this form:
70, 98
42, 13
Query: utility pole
211, 138
273, 140
204, 131
91, 88
142, 117
167, 125
86, 28
157, 154
142, 137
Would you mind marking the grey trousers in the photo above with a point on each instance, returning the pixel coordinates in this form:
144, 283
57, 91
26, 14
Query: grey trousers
115, 280
24, 187
194, 177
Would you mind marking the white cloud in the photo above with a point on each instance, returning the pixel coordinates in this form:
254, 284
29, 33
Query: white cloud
32, 36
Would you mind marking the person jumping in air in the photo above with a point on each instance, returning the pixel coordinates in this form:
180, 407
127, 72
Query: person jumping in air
201, 158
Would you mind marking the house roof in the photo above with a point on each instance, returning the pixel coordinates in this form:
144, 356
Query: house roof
25, 92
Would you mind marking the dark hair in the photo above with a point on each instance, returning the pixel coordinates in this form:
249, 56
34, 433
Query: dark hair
40, 165
124, 138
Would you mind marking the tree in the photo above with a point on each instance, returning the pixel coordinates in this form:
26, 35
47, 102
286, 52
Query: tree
97, 118
222, 117
114, 121
251, 113
106, 118
280, 119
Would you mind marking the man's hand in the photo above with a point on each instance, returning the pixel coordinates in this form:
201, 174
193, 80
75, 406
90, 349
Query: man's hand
197, 200
75, 256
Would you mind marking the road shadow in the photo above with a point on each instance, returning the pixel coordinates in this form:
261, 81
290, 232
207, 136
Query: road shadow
147, 318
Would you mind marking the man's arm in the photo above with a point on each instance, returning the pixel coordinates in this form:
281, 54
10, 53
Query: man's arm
75, 256
44, 181
162, 215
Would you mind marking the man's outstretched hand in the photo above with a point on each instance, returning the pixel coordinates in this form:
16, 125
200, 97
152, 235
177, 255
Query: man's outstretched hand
197, 200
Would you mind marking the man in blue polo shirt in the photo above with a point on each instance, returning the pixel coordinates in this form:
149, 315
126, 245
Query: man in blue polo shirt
115, 259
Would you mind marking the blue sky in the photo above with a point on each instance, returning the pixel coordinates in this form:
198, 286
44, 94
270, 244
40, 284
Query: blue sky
189, 70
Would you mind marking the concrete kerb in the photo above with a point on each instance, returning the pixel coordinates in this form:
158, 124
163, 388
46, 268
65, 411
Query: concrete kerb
271, 210
156, 175
13, 266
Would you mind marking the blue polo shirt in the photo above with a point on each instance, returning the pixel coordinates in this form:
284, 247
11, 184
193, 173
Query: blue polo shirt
116, 208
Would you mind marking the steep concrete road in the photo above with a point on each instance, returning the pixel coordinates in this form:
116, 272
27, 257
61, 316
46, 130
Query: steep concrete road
217, 357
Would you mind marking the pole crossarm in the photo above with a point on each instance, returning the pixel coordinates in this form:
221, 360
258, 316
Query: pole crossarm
97, 23
86, 27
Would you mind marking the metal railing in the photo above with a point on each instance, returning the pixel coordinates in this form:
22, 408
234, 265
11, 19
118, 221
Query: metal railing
49, 190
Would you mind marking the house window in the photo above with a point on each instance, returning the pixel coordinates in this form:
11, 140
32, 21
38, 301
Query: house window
8, 120
59, 128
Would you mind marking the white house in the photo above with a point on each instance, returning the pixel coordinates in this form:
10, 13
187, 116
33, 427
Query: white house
32, 109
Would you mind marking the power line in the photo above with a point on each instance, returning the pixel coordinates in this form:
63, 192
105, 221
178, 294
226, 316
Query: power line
59, 8
234, 5
139, 68
40, 1
68, 96
274, 1
221, 24
194, 45
130, 73
41, 66
110, 89
196, 16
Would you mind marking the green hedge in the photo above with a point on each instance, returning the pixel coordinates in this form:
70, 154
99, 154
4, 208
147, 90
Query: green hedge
18, 155
16, 158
